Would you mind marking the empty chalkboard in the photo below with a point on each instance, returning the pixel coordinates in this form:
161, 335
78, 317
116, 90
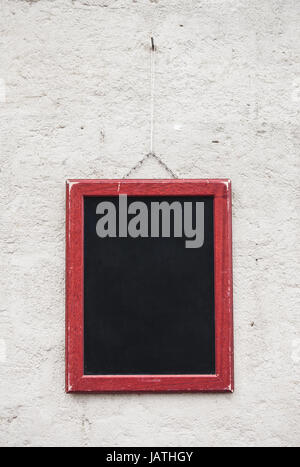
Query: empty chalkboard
149, 286
149, 303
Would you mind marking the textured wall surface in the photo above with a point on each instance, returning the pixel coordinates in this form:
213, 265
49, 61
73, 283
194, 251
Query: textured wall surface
75, 103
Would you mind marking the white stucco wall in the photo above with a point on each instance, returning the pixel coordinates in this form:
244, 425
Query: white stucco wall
74, 103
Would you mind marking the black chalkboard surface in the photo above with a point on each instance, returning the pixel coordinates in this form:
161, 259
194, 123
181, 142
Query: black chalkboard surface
148, 302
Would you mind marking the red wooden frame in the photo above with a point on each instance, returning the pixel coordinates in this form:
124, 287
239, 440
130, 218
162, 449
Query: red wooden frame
76, 381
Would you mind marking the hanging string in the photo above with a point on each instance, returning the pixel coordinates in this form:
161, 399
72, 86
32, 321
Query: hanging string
152, 153
152, 99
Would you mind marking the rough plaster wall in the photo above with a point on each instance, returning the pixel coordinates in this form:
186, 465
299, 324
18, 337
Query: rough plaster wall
77, 82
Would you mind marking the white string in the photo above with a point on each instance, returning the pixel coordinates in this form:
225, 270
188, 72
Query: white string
152, 104
152, 119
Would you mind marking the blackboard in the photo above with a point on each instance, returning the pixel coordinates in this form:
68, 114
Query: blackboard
149, 286
148, 302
